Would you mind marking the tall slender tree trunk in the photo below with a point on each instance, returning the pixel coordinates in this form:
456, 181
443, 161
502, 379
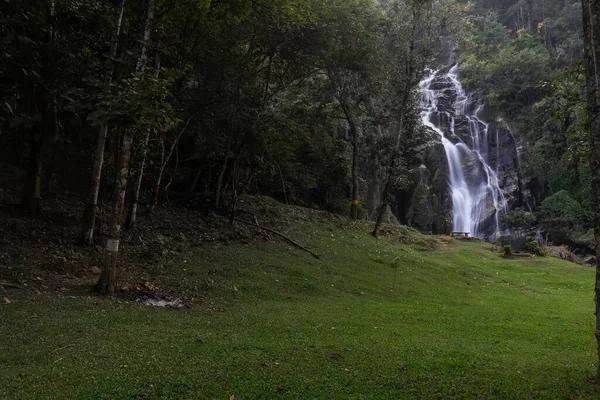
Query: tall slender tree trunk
354, 132
91, 209
89, 213
591, 28
55, 123
282, 182
196, 179
139, 177
354, 205
132, 215
141, 63
235, 179
108, 279
218, 193
53, 147
107, 283
383, 202
31, 191
156, 187
163, 165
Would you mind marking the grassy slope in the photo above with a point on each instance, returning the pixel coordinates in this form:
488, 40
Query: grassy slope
462, 322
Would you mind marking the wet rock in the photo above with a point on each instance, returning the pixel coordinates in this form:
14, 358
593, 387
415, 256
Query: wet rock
589, 261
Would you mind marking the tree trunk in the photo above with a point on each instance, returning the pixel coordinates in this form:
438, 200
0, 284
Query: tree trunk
31, 191
354, 205
156, 187
53, 147
108, 279
383, 204
235, 179
195, 179
235, 176
591, 27
89, 213
218, 193
132, 215
163, 165
282, 183
354, 132
141, 63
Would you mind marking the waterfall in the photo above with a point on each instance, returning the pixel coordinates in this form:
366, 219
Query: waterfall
477, 200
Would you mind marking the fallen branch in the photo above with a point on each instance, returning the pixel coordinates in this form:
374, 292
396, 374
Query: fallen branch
298, 245
65, 347
10, 285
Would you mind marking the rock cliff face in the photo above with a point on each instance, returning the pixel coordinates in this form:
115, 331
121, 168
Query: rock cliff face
426, 204
488, 158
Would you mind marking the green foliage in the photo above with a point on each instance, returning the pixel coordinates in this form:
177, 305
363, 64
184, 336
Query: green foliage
566, 101
507, 250
519, 218
562, 205
507, 70
584, 239
271, 88
532, 246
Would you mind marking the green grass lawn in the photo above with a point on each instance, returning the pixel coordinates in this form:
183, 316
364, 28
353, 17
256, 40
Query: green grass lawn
272, 322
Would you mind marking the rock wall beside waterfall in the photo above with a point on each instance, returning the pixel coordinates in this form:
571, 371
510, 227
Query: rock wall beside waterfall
426, 204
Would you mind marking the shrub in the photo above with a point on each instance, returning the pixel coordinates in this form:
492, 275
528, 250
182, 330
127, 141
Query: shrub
534, 247
508, 250
519, 218
562, 205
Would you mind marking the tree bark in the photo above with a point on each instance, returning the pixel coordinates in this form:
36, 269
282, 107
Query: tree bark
354, 132
108, 279
354, 205
591, 28
89, 213
282, 182
107, 283
31, 191
53, 147
135, 198
195, 179
141, 63
235, 179
218, 193
383, 203
163, 165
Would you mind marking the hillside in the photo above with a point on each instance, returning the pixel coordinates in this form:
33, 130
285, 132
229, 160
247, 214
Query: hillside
267, 320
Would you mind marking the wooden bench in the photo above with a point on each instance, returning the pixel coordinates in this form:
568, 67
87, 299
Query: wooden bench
465, 234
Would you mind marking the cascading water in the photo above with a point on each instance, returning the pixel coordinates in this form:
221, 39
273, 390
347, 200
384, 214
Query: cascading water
477, 200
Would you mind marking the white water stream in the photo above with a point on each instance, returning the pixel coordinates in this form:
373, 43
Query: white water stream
477, 200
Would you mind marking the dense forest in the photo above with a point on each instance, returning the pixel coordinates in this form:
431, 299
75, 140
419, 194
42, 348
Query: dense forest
124, 105
212, 99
